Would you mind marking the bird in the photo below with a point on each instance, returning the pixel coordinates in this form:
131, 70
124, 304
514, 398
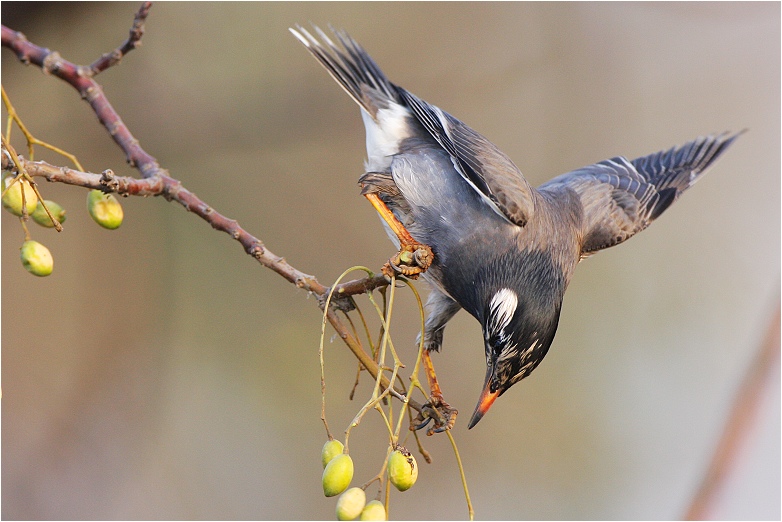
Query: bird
463, 216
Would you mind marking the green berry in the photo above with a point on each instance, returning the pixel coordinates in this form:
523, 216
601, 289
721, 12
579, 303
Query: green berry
374, 510
104, 209
351, 504
12, 201
337, 475
330, 450
37, 259
42, 218
402, 469
406, 258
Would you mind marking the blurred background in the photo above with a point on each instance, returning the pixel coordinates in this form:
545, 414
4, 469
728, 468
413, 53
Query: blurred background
161, 373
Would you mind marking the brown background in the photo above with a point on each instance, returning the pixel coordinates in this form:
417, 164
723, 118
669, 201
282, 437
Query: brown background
161, 373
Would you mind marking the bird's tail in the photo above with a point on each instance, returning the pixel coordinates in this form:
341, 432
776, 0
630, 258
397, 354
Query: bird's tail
351, 67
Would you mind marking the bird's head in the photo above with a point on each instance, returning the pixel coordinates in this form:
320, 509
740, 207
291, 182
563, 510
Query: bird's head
517, 333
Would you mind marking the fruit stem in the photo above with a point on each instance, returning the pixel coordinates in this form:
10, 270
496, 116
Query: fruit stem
470, 510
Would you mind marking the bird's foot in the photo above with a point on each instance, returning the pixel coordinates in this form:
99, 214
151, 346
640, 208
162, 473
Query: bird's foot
437, 410
411, 261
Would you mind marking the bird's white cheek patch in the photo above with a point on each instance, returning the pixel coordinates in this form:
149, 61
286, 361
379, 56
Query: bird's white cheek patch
501, 309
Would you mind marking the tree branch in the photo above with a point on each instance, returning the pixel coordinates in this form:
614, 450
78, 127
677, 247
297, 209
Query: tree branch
80, 78
737, 427
133, 41
156, 180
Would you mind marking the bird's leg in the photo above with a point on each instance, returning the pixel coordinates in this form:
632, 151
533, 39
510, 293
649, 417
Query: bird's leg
413, 258
439, 310
436, 409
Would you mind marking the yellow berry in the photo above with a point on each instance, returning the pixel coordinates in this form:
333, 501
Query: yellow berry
330, 450
402, 469
351, 503
42, 218
12, 201
37, 259
374, 510
337, 475
104, 209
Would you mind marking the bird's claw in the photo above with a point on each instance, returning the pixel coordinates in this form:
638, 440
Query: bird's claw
410, 261
437, 410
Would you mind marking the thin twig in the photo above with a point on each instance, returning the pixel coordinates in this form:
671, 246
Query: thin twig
739, 422
91, 91
32, 141
173, 190
23, 174
360, 286
377, 394
106, 181
470, 510
134, 40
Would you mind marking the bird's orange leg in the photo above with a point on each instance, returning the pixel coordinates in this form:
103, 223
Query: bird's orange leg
413, 258
434, 386
437, 410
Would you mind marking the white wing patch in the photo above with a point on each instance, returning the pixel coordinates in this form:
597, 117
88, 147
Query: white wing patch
384, 135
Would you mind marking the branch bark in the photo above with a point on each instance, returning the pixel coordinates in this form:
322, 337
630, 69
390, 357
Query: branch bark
739, 423
156, 181
133, 41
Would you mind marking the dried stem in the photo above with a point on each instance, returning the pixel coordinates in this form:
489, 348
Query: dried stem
32, 141
739, 422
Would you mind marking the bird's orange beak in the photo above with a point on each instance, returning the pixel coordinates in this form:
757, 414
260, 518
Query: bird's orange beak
484, 402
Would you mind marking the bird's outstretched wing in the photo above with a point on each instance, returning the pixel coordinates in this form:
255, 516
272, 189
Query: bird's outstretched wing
621, 198
490, 172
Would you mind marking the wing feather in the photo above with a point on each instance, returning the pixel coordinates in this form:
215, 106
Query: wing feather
620, 198
490, 172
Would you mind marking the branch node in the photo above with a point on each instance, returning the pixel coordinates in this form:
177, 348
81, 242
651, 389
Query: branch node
84, 72
108, 180
257, 250
92, 93
343, 303
52, 63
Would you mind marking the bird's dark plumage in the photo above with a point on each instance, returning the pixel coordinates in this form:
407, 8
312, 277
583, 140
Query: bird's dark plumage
503, 250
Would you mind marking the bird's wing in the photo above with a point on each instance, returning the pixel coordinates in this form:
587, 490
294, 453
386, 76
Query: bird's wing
490, 172
621, 198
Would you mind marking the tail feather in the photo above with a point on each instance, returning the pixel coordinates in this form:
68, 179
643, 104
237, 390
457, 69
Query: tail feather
352, 67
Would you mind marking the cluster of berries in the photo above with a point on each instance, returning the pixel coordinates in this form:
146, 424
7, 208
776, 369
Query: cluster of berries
352, 504
20, 199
